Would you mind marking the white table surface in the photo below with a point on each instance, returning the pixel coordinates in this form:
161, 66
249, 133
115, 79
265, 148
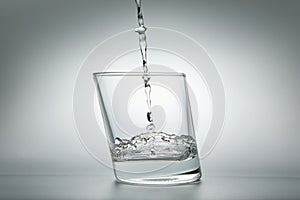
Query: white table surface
104, 187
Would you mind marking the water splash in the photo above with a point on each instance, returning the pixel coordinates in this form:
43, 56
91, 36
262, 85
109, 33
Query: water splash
154, 146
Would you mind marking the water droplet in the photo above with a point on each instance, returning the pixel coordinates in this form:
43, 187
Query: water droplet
118, 141
140, 29
173, 136
125, 141
149, 117
150, 127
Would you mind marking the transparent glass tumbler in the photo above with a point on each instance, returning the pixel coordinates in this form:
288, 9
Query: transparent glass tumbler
166, 155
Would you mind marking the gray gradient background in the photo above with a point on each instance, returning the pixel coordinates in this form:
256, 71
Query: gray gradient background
254, 44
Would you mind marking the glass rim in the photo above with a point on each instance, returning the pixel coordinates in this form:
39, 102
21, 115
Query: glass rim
96, 74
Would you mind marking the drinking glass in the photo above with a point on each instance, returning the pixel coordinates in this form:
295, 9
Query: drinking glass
165, 155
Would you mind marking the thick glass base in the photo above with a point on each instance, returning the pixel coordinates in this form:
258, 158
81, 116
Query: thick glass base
158, 172
169, 180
